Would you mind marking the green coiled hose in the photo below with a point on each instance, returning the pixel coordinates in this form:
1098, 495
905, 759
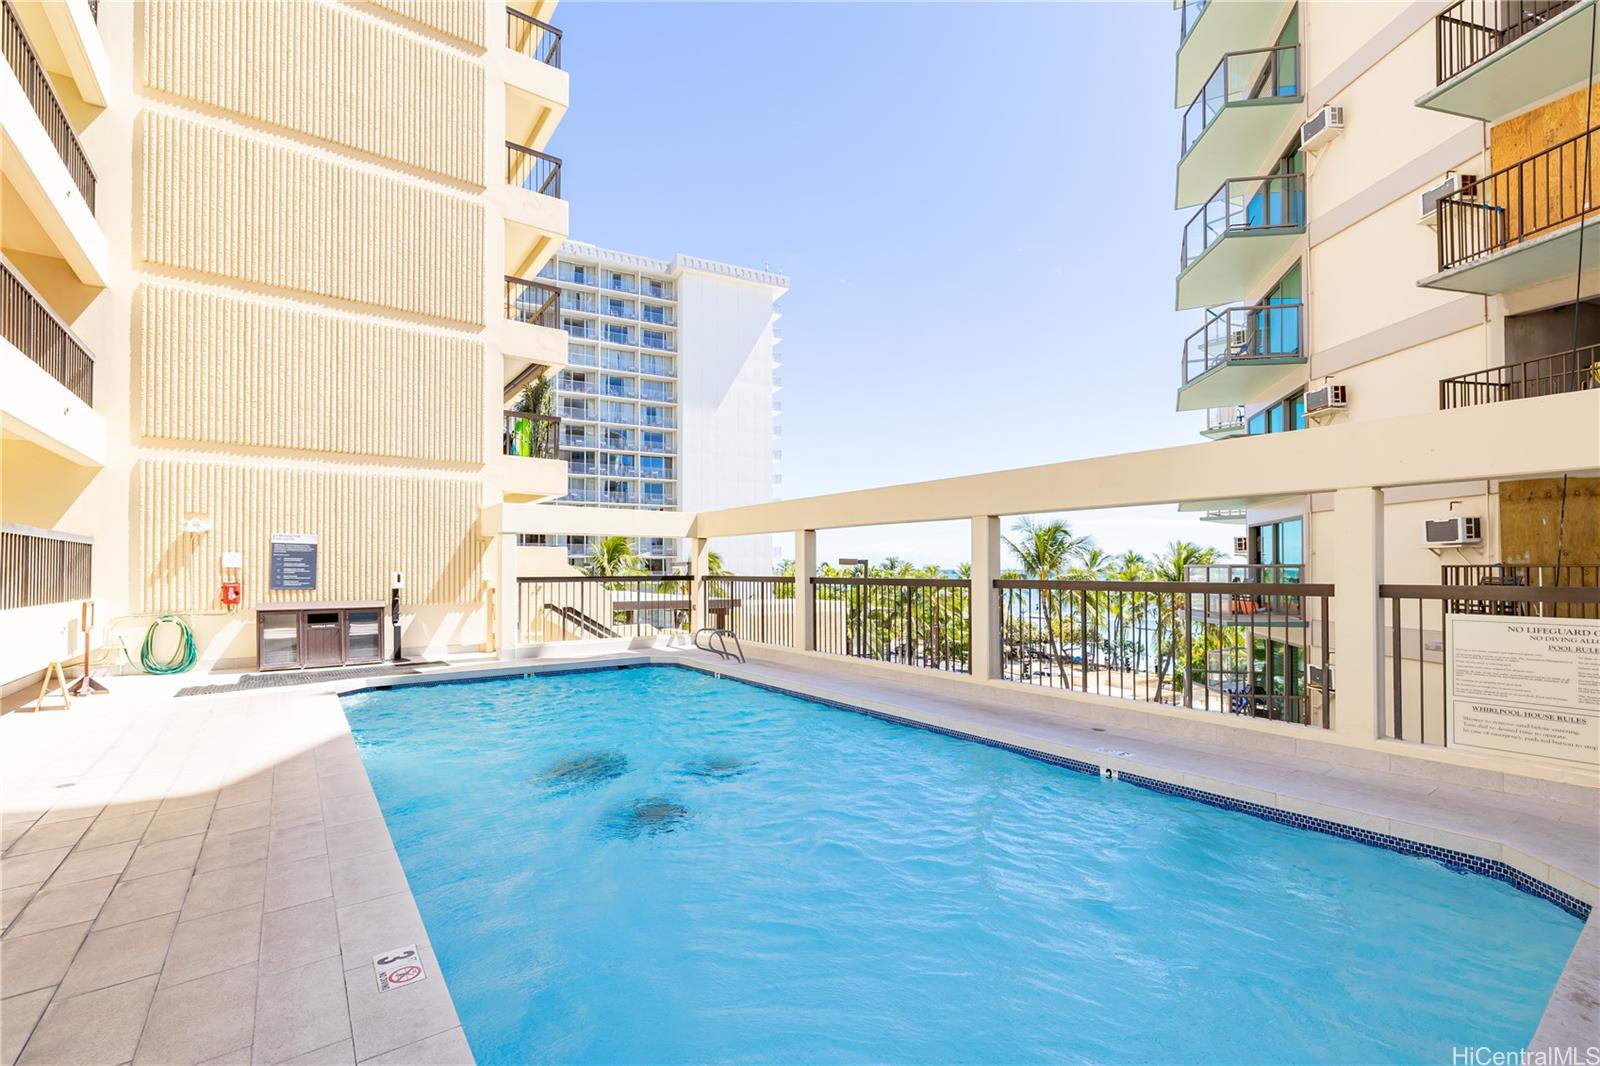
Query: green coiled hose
182, 659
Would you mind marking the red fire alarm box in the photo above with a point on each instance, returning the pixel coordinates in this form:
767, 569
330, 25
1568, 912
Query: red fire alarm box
230, 593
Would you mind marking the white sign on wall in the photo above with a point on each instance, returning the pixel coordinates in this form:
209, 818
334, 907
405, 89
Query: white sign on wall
1525, 686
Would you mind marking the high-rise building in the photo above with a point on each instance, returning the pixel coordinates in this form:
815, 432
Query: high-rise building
1389, 209
268, 275
667, 399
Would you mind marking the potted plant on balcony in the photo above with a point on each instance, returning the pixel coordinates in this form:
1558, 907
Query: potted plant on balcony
533, 437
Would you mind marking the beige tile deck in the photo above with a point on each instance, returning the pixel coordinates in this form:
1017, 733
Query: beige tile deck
207, 879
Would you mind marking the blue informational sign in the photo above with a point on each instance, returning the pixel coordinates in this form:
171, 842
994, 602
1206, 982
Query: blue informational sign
294, 561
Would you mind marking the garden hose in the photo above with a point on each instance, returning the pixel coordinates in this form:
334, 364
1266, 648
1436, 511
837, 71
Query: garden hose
182, 659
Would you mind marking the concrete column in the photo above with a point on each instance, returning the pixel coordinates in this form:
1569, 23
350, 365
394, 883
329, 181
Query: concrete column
985, 604
507, 601
805, 568
699, 566
1357, 612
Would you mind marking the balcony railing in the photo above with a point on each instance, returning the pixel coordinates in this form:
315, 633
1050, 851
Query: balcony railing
619, 311
1224, 419
659, 316
581, 496
1191, 12
662, 448
532, 302
1185, 643
656, 292
580, 466
578, 411
660, 344
533, 170
657, 419
916, 621
581, 330
617, 335
622, 390
579, 301
620, 283
1240, 335
1522, 575
1260, 74
614, 469
585, 388
26, 322
663, 368
532, 38
1245, 205
532, 436
1247, 573
43, 566
659, 395
36, 87
1474, 30
618, 496
1550, 376
1527, 199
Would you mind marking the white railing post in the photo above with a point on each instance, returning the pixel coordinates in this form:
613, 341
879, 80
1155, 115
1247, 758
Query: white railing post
985, 604
805, 568
1357, 613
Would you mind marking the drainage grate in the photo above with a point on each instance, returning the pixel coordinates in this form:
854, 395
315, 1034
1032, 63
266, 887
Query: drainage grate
286, 678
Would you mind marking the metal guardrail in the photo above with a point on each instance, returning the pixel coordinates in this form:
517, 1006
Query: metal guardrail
1569, 575
532, 302
593, 607
530, 37
1241, 335
1473, 30
532, 436
1257, 74
1418, 652
27, 322
760, 610
1519, 202
1232, 648
915, 621
1551, 375
1245, 205
43, 566
35, 84
533, 170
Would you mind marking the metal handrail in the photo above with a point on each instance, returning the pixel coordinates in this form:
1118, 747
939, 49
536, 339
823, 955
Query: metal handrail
1243, 334
27, 322
35, 83
1253, 74
1518, 202
722, 649
1550, 375
528, 36
531, 169
1255, 204
1473, 30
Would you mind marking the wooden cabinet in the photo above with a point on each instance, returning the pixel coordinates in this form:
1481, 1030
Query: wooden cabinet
295, 636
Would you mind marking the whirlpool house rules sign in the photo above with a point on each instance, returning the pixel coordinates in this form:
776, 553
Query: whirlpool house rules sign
294, 561
1525, 686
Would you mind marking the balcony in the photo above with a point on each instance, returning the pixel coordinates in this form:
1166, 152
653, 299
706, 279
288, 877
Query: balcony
656, 291
1520, 225
536, 217
658, 316
1239, 234
581, 302
1572, 371
665, 447
619, 389
1225, 26
657, 394
46, 377
580, 330
529, 466
617, 335
659, 367
44, 163
529, 333
1241, 354
580, 386
659, 342
655, 419
1243, 114
620, 283
1495, 58
1222, 422
536, 88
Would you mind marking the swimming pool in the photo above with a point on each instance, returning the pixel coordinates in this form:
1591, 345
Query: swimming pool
656, 865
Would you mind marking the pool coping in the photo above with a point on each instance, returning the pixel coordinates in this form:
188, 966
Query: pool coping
1569, 1019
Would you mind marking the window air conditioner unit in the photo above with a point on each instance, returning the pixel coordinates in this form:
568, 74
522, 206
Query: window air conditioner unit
1321, 128
1241, 545
1452, 532
1455, 183
1238, 339
1327, 398
1314, 677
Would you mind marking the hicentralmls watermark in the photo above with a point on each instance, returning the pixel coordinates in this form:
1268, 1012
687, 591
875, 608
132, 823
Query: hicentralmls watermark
1554, 1056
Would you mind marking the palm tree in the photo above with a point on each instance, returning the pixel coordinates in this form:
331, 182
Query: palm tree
530, 437
613, 558
1174, 566
1045, 551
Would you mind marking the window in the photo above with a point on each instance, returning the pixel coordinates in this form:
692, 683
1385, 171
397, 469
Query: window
1284, 416
1279, 544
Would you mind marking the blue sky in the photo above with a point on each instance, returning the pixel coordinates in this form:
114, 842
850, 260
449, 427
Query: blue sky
972, 203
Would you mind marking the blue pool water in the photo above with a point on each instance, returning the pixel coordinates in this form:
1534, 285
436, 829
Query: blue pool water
656, 866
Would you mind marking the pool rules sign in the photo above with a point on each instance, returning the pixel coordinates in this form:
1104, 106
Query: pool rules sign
1525, 686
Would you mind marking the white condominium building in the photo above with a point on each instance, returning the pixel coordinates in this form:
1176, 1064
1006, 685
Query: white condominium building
666, 402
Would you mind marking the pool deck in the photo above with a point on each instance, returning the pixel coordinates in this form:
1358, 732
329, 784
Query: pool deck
209, 878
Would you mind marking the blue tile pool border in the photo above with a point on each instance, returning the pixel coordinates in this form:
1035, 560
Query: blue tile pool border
1456, 860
